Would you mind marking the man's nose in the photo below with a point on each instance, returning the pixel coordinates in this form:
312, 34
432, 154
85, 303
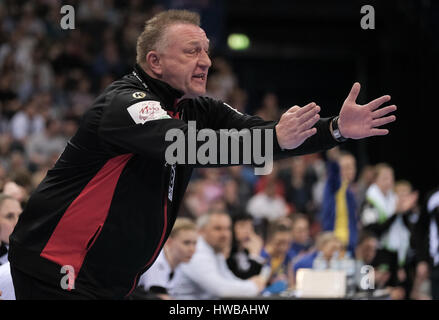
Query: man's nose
204, 60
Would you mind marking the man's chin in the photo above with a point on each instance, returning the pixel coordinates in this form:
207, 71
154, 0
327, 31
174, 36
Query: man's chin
194, 93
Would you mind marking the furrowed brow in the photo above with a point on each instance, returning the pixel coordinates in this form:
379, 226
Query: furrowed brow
196, 43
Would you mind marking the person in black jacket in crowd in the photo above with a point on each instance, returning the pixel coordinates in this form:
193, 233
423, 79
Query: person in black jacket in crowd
100, 217
427, 245
244, 259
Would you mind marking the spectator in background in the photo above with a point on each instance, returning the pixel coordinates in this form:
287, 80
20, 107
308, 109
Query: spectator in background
9, 102
318, 176
298, 182
267, 205
365, 179
365, 253
19, 190
383, 214
193, 204
387, 273
42, 146
384, 274
10, 209
244, 183
207, 275
326, 246
211, 184
408, 205
26, 122
268, 202
244, 259
179, 248
427, 245
300, 236
273, 177
7, 291
81, 98
338, 211
275, 254
233, 204
109, 61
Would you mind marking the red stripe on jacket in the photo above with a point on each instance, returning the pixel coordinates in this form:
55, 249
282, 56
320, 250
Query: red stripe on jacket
84, 218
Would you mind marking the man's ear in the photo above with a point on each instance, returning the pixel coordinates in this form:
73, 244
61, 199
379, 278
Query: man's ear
154, 63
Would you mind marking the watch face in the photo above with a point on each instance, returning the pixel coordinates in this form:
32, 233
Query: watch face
337, 133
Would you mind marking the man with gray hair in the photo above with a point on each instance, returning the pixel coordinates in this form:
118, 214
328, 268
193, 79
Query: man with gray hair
100, 217
206, 275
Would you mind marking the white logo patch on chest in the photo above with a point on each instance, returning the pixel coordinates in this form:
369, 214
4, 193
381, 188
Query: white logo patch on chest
146, 111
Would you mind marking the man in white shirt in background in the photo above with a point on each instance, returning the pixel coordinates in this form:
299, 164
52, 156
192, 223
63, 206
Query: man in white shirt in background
206, 275
10, 210
179, 248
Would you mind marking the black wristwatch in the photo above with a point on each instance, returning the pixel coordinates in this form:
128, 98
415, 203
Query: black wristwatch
336, 131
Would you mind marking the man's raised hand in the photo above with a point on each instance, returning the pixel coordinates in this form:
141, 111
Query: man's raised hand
296, 125
361, 121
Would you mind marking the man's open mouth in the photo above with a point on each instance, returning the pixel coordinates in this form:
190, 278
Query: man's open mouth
201, 76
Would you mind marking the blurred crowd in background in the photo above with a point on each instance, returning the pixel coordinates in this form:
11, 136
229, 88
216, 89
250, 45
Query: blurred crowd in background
311, 212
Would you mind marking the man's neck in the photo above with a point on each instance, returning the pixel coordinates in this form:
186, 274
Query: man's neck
149, 72
168, 94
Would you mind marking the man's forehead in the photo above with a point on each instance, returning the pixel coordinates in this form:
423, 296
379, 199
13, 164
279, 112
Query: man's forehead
188, 33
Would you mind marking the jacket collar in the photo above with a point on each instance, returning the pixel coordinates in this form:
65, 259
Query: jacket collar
3, 249
167, 94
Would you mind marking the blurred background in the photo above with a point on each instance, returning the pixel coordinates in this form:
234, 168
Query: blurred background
267, 57
298, 51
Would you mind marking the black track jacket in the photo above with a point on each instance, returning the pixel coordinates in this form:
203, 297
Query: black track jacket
108, 205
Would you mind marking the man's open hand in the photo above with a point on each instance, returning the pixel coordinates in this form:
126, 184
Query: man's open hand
361, 121
296, 125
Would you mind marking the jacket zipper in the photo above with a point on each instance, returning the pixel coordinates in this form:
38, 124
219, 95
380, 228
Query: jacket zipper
92, 240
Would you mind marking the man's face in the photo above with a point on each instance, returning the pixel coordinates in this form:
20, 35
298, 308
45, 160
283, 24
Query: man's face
385, 179
300, 231
367, 250
9, 213
402, 190
243, 230
330, 248
184, 59
182, 245
218, 232
281, 242
348, 168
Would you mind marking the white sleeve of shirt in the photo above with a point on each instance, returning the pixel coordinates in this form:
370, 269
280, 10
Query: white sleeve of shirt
369, 216
205, 271
6, 284
157, 275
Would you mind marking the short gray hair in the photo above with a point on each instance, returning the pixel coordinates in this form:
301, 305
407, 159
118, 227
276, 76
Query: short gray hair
204, 220
152, 34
